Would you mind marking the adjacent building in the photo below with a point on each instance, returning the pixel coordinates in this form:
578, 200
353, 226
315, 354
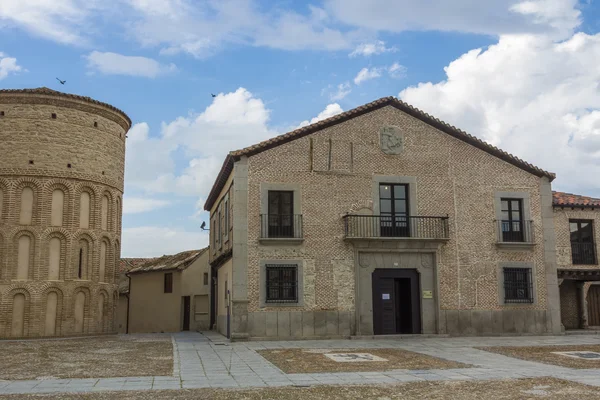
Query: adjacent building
61, 187
577, 227
169, 294
386, 220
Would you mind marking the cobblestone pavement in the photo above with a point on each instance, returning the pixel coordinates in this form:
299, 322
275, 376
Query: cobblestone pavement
208, 360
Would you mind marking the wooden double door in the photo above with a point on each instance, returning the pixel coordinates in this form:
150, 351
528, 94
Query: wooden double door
396, 301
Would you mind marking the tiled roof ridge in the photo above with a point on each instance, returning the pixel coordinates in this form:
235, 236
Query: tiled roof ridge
164, 262
384, 101
50, 92
561, 199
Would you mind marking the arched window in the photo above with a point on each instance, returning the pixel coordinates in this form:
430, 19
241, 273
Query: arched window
84, 210
23, 257
58, 202
26, 214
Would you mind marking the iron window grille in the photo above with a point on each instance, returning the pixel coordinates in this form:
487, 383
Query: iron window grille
282, 283
518, 285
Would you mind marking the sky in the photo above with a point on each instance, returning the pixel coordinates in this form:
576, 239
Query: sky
522, 75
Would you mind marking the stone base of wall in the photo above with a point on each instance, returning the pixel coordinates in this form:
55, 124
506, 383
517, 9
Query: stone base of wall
301, 324
502, 322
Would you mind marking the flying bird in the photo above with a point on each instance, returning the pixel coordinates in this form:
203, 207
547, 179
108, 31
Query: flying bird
61, 82
213, 95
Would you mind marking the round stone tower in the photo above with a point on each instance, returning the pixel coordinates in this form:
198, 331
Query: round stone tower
62, 161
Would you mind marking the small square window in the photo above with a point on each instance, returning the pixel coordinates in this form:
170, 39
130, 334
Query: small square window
1, 113
281, 283
205, 278
518, 285
53, 115
169, 283
31, 162
68, 165
95, 124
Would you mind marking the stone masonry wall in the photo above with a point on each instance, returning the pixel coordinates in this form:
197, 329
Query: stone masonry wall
49, 143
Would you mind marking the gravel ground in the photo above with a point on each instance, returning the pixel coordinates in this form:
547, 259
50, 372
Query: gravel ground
539, 388
98, 357
294, 361
543, 354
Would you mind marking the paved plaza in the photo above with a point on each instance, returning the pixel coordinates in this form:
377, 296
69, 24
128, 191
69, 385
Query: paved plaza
209, 361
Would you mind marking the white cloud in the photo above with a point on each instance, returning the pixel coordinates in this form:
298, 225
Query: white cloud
342, 90
8, 65
369, 49
495, 17
397, 71
366, 74
60, 20
137, 205
329, 111
118, 64
154, 241
530, 95
233, 120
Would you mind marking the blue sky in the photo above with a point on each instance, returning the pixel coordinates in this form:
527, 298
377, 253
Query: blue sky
521, 74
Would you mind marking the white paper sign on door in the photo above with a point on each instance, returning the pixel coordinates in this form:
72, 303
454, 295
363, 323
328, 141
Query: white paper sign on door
385, 296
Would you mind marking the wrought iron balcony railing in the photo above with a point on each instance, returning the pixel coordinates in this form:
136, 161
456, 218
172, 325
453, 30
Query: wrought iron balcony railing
277, 226
395, 226
583, 253
515, 231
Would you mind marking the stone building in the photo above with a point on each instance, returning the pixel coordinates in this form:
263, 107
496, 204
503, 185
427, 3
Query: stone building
169, 294
381, 220
577, 226
61, 187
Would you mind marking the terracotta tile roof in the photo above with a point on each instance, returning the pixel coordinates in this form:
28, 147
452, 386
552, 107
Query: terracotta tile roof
49, 92
179, 261
355, 112
125, 264
561, 199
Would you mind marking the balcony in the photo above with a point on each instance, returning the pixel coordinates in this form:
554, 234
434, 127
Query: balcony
583, 253
515, 234
284, 229
385, 227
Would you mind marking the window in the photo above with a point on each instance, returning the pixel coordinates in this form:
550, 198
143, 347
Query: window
582, 241
169, 283
518, 286
205, 278
281, 214
512, 220
282, 283
226, 224
80, 269
219, 227
225, 290
393, 207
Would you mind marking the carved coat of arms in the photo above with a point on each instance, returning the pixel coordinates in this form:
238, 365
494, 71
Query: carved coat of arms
391, 140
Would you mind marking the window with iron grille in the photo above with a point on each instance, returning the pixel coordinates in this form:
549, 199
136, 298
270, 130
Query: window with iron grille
518, 286
282, 283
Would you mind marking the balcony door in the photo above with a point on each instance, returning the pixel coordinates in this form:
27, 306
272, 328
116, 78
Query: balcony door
512, 220
281, 214
393, 208
582, 241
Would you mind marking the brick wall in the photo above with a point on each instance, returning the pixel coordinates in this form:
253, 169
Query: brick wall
81, 149
453, 178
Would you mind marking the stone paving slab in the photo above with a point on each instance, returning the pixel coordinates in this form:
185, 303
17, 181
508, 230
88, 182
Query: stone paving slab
208, 360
